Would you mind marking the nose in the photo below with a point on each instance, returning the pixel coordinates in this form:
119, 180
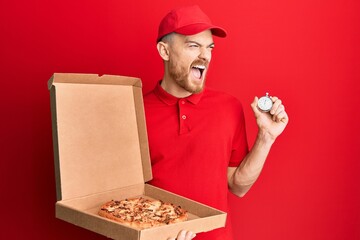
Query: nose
205, 54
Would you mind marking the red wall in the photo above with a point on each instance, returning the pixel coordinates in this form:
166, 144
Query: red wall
307, 52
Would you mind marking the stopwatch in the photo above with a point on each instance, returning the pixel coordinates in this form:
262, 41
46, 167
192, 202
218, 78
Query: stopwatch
265, 103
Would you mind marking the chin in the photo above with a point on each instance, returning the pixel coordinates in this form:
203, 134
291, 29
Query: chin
195, 88
190, 85
198, 90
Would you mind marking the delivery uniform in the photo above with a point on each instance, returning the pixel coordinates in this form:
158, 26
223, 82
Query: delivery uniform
192, 142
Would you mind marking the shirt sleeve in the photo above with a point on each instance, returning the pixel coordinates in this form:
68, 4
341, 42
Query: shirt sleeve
240, 144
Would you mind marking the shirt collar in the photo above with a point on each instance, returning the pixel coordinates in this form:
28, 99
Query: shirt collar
171, 100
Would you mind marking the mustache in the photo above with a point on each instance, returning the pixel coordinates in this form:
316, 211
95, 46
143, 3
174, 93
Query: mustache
200, 62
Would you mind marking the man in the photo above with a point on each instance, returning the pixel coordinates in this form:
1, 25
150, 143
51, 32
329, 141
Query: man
197, 136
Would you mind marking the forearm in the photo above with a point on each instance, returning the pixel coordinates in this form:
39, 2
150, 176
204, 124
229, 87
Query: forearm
243, 177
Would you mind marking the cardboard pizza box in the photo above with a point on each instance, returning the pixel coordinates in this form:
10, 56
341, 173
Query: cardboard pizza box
101, 153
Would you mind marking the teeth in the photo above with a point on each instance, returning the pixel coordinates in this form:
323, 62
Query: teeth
200, 67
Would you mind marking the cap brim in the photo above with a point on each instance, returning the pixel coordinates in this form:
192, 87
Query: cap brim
200, 27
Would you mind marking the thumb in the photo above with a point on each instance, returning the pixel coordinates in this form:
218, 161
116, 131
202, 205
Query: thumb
254, 106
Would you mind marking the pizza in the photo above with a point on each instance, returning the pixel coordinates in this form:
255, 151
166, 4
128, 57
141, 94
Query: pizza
141, 213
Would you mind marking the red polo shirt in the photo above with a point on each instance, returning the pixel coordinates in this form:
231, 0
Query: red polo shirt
192, 142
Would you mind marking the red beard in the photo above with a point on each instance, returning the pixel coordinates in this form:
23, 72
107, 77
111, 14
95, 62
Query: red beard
182, 77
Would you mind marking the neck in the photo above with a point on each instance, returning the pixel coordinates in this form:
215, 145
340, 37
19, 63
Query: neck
171, 87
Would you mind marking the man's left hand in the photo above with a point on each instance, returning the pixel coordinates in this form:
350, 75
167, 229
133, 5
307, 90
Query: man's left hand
271, 123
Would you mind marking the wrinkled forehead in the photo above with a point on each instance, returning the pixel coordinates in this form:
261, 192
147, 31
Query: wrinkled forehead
203, 38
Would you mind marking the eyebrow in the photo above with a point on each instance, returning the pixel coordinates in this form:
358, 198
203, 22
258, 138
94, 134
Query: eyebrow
197, 43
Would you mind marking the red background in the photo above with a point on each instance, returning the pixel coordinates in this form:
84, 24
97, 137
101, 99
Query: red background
307, 52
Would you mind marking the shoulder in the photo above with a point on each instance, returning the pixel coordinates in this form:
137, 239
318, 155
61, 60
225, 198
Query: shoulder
221, 98
219, 94
150, 97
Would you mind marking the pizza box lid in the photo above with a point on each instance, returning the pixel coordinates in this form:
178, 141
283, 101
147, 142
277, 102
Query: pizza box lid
99, 133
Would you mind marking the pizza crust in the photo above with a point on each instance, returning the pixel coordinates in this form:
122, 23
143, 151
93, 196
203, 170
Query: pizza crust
142, 213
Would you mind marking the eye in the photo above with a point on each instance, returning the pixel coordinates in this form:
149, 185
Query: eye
193, 45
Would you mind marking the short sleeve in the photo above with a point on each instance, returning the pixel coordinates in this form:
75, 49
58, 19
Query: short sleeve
240, 145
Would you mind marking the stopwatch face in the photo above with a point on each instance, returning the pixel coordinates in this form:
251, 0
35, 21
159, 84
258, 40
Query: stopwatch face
265, 103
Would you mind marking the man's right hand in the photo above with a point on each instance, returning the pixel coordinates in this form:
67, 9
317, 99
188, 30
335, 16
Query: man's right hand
184, 235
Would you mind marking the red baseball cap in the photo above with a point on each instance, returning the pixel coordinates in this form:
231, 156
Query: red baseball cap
187, 21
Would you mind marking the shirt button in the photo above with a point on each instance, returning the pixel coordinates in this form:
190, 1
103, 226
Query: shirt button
183, 117
182, 102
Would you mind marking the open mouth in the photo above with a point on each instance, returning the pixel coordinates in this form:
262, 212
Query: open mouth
198, 70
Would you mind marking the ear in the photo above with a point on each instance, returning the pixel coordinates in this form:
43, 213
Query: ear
163, 49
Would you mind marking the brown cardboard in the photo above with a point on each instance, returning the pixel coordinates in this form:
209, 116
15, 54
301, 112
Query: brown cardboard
101, 153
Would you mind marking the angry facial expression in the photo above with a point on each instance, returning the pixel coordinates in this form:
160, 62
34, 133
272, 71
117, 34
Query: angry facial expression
189, 59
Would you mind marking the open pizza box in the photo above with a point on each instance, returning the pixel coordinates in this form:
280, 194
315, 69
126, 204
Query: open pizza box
101, 154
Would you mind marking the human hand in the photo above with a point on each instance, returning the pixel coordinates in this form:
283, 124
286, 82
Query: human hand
271, 123
184, 235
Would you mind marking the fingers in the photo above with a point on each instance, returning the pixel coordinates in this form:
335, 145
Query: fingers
278, 111
184, 235
283, 117
276, 104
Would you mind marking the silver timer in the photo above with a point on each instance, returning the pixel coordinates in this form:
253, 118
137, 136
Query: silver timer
265, 103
